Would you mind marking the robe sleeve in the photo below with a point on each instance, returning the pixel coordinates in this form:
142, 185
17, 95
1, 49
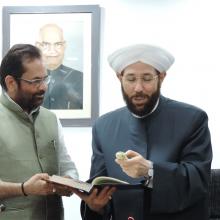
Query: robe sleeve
181, 184
97, 169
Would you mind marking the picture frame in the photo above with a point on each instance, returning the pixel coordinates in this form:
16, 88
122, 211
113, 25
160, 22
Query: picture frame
81, 29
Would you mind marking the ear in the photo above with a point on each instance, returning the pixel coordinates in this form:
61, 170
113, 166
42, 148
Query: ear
119, 75
39, 46
11, 84
162, 76
64, 44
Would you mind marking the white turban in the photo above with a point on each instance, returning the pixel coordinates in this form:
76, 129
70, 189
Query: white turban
157, 57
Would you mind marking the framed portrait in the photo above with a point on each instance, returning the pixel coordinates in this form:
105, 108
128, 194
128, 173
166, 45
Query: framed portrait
69, 39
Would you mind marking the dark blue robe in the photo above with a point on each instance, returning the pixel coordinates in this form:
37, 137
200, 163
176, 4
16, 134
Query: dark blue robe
176, 138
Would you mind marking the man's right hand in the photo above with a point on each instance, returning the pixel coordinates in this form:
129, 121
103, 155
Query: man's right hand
37, 185
97, 200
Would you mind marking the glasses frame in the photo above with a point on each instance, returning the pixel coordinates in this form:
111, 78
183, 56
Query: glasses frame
144, 81
57, 45
37, 82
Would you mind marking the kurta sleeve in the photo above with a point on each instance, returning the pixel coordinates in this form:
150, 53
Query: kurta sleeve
178, 185
66, 166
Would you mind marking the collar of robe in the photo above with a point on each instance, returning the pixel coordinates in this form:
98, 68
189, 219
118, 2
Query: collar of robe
144, 116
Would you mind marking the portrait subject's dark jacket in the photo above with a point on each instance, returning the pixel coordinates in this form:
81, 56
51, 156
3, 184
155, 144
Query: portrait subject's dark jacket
176, 138
65, 90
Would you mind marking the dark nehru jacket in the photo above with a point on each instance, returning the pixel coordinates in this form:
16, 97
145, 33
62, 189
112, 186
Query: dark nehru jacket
65, 90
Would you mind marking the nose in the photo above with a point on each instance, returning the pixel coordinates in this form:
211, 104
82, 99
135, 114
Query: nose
52, 49
138, 86
43, 86
2, 207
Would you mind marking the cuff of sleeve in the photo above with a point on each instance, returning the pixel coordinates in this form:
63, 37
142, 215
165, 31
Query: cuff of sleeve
148, 179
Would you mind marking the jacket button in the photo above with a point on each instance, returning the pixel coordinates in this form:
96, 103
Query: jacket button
2, 207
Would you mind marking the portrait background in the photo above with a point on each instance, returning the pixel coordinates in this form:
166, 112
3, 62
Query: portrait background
80, 26
75, 27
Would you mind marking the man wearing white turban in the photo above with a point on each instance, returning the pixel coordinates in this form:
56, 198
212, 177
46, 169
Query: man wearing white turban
167, 144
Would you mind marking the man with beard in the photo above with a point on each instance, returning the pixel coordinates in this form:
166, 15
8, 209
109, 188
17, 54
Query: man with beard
31, 141
166, 143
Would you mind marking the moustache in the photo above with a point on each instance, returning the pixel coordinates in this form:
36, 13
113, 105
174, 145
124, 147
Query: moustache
140, 96
39, 93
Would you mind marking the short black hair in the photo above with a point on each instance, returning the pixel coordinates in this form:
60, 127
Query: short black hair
12, 63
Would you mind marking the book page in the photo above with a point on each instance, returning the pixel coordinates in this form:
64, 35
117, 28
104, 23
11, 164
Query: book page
73, 183
102, 180
98, 182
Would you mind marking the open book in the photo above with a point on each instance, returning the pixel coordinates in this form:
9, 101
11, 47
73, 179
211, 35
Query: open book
87, 187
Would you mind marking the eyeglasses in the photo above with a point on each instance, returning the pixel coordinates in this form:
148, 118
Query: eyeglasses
37, 82
146, 79
47, 45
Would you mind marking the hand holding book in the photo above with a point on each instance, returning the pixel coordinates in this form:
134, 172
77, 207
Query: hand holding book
96, 199
98, 182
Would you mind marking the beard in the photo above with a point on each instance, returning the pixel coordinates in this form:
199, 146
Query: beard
29, 102
147, 107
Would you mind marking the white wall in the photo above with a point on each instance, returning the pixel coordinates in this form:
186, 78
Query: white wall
189, 29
